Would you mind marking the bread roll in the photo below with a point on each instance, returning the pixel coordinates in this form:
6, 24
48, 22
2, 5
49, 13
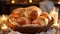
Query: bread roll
32, 12
42, 21
44, 14
23, 21
18, 12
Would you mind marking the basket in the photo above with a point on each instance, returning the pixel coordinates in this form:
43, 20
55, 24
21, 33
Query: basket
31, 29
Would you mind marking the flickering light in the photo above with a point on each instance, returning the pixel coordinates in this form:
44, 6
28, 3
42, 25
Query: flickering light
4, 18
30, 1
12, 1
59, 2
54, 14
56, 24
4, 27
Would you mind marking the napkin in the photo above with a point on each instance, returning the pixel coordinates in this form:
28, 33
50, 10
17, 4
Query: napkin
14, 32
50, 31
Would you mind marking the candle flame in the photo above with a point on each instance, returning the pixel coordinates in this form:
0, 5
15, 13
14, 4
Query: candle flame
12, 1
59, 2
4, 18
30, 1
4, 26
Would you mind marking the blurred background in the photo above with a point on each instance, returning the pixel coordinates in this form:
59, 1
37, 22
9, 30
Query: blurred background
6, 6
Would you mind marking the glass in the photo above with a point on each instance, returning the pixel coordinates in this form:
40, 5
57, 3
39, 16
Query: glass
54, 14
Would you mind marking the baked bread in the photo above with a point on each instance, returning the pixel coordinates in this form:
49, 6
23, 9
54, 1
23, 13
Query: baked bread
18, 12
44, 14
23, 21
32, 12
42, 21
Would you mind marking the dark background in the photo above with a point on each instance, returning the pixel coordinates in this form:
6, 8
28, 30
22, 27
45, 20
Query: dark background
6, 6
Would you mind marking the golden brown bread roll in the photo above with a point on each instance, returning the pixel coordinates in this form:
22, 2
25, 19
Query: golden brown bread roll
32, 12
18, 12
44, 14
23, 21
42, 21
11, 26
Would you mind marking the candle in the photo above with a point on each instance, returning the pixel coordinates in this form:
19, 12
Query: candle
3, 20
54, 14
4, 27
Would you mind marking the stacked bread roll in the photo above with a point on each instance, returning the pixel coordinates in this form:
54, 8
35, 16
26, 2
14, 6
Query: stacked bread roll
43, 19
30, 15
18, 12
32, 12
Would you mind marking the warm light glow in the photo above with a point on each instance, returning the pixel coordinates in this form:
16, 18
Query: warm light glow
30, 1
11, 22
59, 2
46, 21
0, 21
12, 1
39, 13
54, 14
4, 18
4, 27
56, 24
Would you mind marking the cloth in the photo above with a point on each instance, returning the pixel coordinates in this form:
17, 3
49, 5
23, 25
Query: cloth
14, 32
50, 31
46, 6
